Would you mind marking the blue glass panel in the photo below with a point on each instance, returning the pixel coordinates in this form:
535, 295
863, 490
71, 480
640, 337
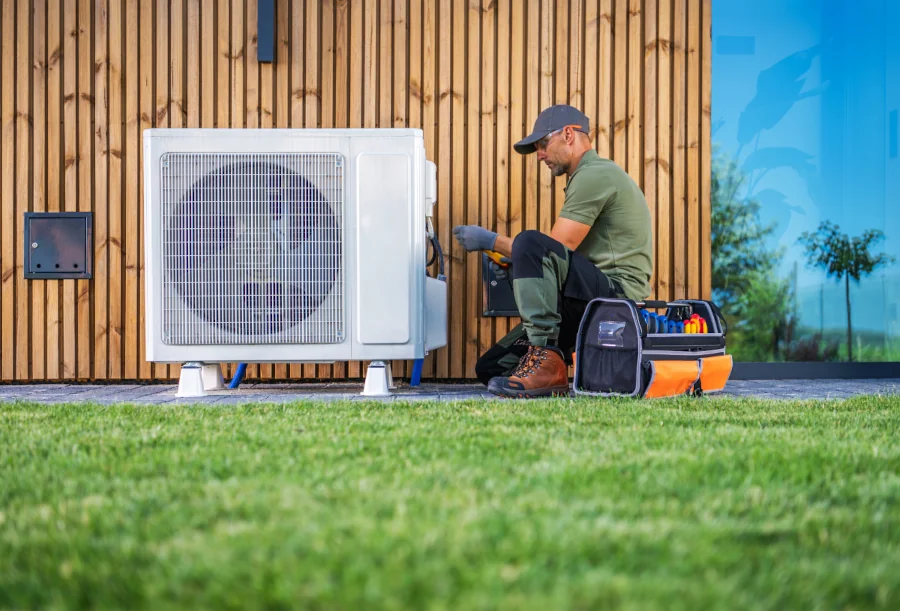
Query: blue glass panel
805, 96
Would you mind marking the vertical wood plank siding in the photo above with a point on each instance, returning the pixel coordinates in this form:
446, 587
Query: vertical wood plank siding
82, 78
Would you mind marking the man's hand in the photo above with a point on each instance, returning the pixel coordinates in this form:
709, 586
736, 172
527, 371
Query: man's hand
473, 237
501, 272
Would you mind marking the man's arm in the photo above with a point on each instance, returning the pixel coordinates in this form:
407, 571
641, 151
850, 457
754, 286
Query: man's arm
566, 231
569, 233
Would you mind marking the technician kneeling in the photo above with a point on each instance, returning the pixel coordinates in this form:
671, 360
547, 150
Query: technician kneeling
600, 246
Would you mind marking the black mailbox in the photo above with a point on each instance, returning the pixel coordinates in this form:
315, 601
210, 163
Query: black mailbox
58, 245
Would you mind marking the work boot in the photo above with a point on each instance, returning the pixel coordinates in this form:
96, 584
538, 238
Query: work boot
542, 372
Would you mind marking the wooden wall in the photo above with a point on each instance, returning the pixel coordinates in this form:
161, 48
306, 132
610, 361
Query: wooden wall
82, 78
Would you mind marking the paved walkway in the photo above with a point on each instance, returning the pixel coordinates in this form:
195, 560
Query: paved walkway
154, 394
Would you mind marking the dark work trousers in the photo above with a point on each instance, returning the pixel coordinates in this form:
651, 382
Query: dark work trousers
552, 286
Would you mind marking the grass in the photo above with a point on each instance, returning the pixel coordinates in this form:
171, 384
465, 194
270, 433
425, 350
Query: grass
558, 504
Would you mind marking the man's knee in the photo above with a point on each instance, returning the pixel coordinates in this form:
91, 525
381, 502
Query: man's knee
529, 248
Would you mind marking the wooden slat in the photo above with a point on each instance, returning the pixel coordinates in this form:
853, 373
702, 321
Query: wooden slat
559, 46
311, 96
296, 98
605, 127
131, 200
342, 67
54, 198
519, 124
266, 120
236, 61
38, 177
399, 33
473, 172
576, 58
100, 281
70, 172
326, 112
445, 100
693, 150
251, 103
229, 106
679, 156
532, 108
7, 192
546, 99
620, 87
23, 187
223, 64
663, 245
407, 71
85, 174
112, 299
648, 128
486, 149
502, 136
705, 152
208, 64
635, 59
426, 17
457, 254
592, 70
192, 66
385, 63
343, 76
282, 94
147, 77
160, 115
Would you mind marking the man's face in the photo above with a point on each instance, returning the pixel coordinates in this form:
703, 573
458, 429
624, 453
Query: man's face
554, 150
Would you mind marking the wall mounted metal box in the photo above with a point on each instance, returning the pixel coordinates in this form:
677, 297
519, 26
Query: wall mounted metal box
498, 294
58, 245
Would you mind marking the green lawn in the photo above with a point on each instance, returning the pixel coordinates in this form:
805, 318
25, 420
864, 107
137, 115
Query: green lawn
684, 504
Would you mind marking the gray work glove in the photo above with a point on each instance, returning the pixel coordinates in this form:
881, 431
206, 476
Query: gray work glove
500, 272
473, 237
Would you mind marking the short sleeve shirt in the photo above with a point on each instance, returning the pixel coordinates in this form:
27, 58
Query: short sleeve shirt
619, 243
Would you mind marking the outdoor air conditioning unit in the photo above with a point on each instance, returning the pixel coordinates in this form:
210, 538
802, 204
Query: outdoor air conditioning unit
288, 246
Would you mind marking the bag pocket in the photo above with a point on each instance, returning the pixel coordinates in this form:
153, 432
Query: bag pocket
714, 373
671, 378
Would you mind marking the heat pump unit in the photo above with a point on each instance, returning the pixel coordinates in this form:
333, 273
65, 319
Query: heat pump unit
288, 246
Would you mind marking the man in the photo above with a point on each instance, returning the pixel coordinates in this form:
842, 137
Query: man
600, 246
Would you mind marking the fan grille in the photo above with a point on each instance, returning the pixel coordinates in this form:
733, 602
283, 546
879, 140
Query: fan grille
252, 248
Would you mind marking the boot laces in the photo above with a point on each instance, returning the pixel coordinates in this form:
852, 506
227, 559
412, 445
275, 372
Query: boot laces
530, 362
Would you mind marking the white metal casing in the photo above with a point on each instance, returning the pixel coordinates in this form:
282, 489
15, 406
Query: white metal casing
388, 189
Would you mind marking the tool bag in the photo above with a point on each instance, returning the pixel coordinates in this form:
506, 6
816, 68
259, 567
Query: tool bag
624, 349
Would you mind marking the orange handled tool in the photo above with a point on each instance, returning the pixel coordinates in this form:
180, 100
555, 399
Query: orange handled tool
497, 258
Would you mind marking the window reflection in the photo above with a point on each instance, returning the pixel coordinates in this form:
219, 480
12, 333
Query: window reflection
806, 178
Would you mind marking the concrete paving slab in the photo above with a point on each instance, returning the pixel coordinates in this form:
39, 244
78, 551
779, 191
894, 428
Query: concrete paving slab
157, 394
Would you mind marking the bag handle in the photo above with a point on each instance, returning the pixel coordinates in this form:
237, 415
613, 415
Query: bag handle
653, 304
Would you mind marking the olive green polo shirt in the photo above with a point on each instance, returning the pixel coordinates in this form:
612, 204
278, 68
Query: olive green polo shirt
601, 194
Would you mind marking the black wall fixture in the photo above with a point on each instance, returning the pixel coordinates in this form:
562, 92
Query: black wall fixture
265, 31
58, 245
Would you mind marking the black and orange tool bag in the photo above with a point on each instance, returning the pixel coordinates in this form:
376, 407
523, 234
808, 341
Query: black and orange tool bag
626, 348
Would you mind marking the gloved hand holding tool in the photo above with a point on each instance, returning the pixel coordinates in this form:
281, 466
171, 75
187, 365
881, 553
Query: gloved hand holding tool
473, 238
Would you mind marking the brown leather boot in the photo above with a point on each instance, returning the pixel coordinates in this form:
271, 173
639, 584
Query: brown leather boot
541, 372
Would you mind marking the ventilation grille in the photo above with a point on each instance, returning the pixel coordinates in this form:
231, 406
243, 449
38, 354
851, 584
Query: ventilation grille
252, 248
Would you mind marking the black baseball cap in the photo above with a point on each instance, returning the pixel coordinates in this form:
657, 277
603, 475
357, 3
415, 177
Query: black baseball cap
551, 119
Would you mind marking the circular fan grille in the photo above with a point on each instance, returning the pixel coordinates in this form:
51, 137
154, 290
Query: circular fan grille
253, 248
